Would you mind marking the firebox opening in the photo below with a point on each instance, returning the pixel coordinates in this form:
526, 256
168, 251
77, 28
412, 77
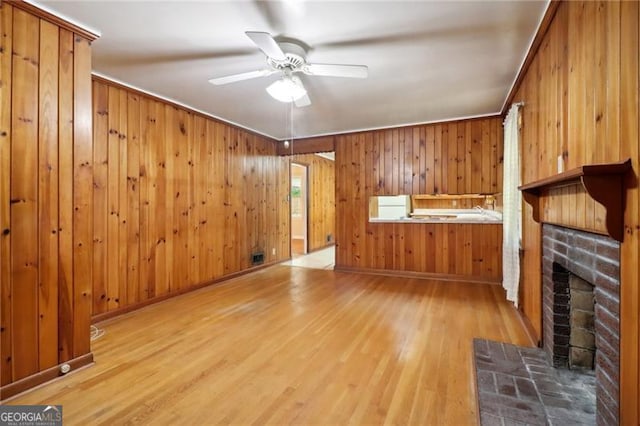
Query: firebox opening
574, 321
582, 339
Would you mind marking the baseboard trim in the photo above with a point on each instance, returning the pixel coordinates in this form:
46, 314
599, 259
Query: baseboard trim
28, 383
420, 275
534, 339
117, 312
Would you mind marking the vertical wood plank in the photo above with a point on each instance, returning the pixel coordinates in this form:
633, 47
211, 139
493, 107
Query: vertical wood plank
452, 169
476, 156
395, 162
424, 161
408, 161
462, 158
155, 187
6, 326
159, 220
113, 199
144, 212
180, 207
100, 200
430, 159
417, 173
122, 252
66, 202
590, 83
600, 95
82, 195
48, 196
437, 160
170, 131
486, 157
630, 249
133, 199
193, 185
612, 116
468, 147
24, 193
444, 159
500, 157
494, 140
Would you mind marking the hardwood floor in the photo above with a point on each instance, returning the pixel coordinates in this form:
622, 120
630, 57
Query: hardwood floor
291, 345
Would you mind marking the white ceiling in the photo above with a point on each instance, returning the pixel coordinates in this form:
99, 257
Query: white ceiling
428, 61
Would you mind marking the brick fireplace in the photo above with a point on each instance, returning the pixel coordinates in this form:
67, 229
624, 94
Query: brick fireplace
589, 261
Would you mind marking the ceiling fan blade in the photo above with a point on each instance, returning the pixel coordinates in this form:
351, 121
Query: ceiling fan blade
267, 44
239, 77
334, 70
303, 101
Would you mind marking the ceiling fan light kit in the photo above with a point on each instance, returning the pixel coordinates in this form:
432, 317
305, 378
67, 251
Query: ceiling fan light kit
288, 58
288, 89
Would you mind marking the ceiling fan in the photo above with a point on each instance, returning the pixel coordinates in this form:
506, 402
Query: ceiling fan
287, 59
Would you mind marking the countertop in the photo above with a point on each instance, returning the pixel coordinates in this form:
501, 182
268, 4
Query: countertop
482, 217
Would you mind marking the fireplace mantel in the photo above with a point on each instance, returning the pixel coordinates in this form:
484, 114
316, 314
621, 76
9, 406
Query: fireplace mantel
603, 182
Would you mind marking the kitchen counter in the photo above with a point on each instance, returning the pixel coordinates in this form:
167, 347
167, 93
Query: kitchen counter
474, 216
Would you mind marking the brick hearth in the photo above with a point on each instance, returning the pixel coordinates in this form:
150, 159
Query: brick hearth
519, 386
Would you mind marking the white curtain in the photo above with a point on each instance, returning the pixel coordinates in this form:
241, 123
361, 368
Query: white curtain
511, 211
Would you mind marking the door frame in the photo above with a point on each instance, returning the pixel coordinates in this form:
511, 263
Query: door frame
306, 205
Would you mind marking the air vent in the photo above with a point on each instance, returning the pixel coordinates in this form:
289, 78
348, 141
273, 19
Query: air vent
257, 258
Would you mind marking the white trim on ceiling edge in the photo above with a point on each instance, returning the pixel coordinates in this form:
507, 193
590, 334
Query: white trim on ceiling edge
64, 17
526, 53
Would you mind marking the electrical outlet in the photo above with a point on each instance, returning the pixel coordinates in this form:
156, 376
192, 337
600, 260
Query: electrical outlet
273, 251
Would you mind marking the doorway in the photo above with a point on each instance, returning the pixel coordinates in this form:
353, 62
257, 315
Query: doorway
299, 209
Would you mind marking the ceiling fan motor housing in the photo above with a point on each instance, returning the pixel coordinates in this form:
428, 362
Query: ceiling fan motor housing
295, 57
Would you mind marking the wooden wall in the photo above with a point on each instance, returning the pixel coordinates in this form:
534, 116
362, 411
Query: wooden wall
322, 199
455, 158
180, 199
308, 145
581, 102
45, 197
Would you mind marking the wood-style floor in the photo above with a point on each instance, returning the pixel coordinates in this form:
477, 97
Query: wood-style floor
291, 346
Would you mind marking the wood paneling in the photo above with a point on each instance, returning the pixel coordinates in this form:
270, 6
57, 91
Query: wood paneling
293, 345
571, 206
180, 200
308, 145
65, 179
581, 102
82, 196
53, 19
48, 196
6, 43
45, 197
24, 194
322, 200
454, 158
